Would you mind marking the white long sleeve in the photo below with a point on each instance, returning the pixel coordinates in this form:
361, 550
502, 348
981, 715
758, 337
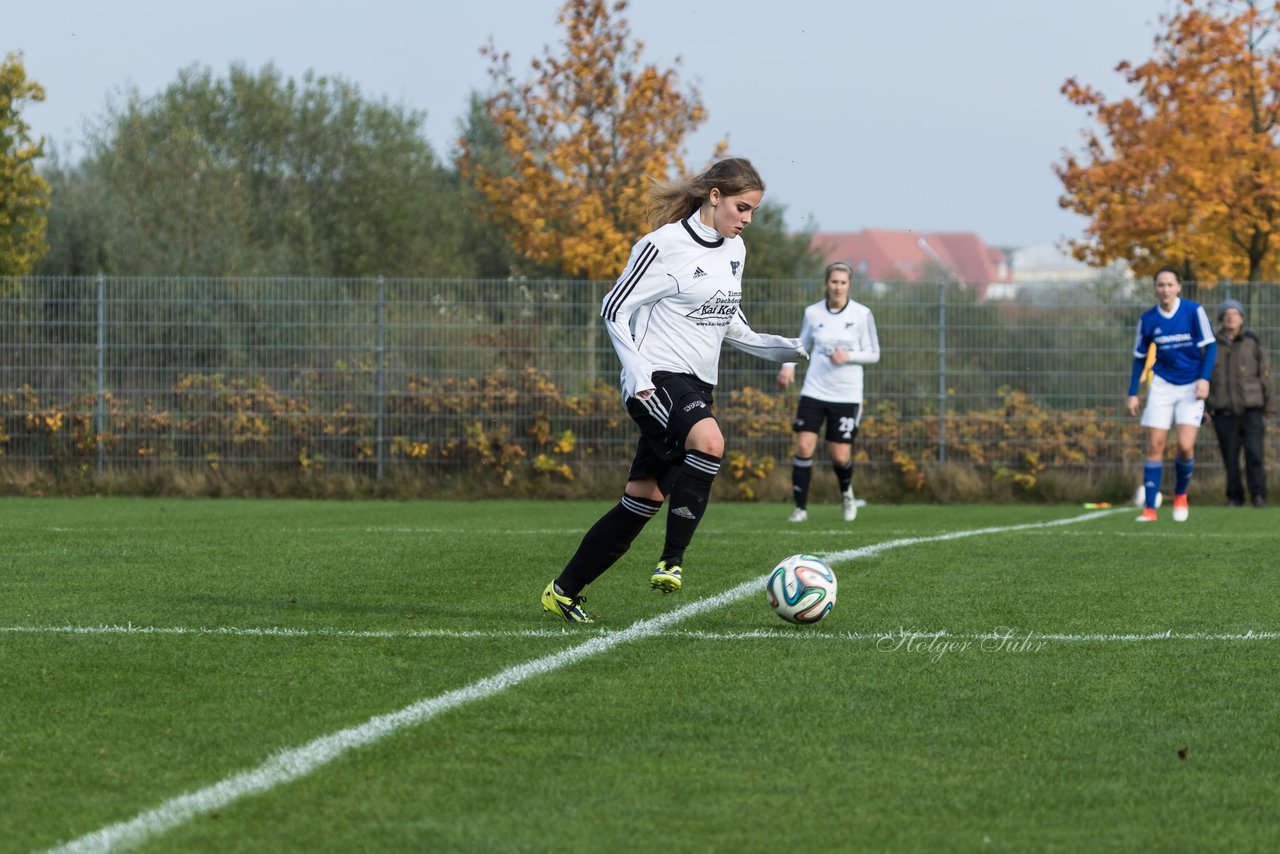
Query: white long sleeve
677, 301
641, 284
775, 348
852, 329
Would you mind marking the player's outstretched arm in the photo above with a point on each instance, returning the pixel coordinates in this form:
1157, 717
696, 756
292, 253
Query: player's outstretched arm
775, 348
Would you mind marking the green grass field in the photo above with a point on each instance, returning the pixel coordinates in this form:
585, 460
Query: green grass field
226, 676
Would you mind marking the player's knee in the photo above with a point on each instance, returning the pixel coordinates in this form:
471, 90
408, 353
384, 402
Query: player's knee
706, 438
644, 488
712, 445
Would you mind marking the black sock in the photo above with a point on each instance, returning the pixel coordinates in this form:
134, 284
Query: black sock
688, 502
608, 540
801, 475
844, 474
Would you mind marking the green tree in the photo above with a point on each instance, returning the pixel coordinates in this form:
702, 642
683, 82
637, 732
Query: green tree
78, 222
255, 174
484, 240
773, 252
24, 194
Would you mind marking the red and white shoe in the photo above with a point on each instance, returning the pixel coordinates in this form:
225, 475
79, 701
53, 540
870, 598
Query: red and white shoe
1180, 508
1148, 515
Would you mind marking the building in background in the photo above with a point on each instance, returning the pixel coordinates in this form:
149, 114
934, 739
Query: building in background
1041, 272
884, 255
1047, 263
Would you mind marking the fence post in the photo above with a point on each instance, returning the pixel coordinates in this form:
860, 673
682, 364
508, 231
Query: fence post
942, 372
381, 346
100, 415
592, 334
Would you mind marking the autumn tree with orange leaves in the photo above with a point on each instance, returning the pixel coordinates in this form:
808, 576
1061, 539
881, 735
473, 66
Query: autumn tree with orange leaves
1188, 170
582, 140
24, 193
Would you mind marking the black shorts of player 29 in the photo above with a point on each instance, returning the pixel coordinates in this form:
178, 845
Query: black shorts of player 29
842, 419
679, 401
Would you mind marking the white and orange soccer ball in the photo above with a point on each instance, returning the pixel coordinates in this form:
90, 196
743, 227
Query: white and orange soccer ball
801, 589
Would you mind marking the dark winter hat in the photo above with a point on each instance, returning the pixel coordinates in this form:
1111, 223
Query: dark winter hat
1230, 303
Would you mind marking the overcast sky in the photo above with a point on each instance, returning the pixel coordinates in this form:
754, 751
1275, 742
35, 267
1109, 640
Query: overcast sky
932, 115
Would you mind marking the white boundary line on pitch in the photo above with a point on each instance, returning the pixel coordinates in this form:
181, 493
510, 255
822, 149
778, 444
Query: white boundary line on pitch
293, 763
788, 532
802, 633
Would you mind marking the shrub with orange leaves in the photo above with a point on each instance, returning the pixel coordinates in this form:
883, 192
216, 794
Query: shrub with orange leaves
517, 429
747, 472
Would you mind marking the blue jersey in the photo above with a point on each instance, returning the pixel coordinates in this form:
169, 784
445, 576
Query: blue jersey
1180, 338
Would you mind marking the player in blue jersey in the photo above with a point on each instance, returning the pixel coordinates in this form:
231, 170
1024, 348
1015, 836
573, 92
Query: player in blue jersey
1185, 352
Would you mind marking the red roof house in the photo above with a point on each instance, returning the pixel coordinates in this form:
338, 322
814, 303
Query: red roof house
914, 256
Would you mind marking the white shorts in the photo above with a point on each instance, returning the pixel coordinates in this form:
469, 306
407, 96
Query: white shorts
1169, 404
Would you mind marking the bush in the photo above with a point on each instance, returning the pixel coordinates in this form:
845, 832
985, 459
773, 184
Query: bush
518, 432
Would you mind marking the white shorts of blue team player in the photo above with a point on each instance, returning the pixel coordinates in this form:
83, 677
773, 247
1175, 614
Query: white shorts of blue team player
1169, 404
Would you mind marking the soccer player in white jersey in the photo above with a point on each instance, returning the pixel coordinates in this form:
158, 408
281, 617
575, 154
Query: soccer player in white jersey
676, 302
1185, 352
840, 335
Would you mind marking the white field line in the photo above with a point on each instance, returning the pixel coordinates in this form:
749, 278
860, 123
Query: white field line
285, 632
791, 532
337, 531
1168, 635
1163, 533
296, 762
800, 633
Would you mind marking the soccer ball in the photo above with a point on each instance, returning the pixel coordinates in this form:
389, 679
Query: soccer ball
801, 589
1140, 497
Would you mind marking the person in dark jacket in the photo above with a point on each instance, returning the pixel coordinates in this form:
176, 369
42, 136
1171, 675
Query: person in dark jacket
1241, 397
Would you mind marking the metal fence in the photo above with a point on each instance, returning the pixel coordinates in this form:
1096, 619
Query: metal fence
387, 376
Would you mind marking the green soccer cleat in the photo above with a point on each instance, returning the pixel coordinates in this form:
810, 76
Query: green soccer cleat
665, 578
568, 608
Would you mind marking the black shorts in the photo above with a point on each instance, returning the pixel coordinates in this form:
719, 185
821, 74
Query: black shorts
678, 402
842, 419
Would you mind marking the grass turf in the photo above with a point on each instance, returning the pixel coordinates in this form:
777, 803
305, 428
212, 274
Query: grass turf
727, 730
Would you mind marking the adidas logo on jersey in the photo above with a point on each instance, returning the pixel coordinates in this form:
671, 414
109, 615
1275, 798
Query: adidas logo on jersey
698, 272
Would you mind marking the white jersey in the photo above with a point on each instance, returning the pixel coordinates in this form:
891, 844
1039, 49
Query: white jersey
853, 330
677, 301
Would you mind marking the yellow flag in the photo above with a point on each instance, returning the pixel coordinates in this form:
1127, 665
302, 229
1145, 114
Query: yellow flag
1151, 360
